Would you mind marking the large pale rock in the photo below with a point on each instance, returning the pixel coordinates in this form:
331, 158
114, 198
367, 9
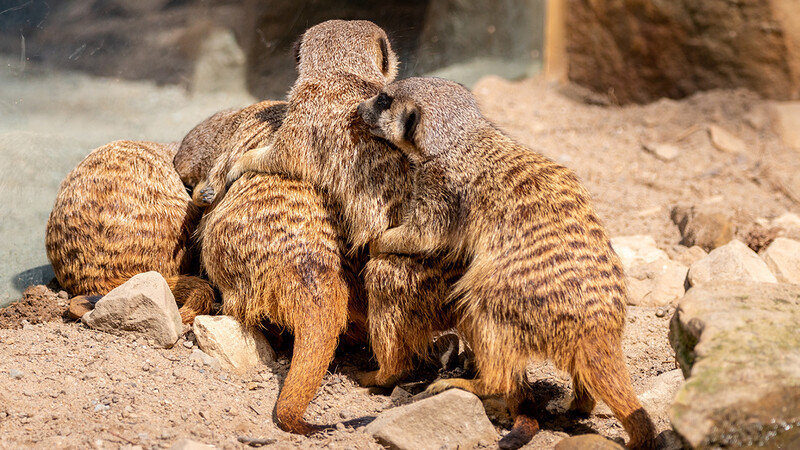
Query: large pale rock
636, 250
452, 419
739, 347
237, 348
642, 50
689, 255
789, 224
783, 258
657, 283
144, 306
659, 393
731, 262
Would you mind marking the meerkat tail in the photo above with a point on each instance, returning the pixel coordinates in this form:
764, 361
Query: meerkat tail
314, 347
194, 294
600, 369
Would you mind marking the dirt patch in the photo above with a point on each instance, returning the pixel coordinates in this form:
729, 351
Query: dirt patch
39, 304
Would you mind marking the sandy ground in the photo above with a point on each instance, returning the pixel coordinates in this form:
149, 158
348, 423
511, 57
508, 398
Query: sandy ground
65, 386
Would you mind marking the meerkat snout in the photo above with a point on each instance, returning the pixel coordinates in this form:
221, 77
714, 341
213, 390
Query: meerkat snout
370, 112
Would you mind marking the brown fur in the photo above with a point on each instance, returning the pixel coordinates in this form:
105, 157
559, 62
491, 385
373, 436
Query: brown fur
208, 151
322, 140
274, 245
273, 250
542, 278
122, 211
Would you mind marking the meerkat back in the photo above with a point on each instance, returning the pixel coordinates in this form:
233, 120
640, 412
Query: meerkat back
123, 210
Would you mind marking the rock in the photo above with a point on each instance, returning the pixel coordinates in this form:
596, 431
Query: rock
400, 396
452, 419
707, 230
790, 224
587, 442
688, 255
724, 141
664, 152
659, 393
657, 283
219, 62
78, 306
787, 116
204, 359
237, 348
15, 374
739, 347
636, 250
643, 50
783, 258
188, 444
144, 306
731, 262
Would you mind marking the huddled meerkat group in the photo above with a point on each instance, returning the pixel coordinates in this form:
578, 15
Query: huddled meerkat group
368, 209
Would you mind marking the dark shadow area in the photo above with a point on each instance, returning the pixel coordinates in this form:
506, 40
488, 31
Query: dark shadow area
37, 275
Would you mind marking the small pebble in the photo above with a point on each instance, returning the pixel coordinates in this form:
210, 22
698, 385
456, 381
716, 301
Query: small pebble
101, 407
187, 344
15, 374
661, 312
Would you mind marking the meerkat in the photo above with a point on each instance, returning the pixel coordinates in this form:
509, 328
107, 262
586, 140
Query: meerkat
322, 140
542, 278
121, 211
272, 249
275, 245
208, 151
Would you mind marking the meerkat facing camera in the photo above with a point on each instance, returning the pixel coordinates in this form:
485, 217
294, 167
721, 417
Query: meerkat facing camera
542, 278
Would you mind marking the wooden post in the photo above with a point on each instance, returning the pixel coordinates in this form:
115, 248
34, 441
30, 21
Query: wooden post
555, 42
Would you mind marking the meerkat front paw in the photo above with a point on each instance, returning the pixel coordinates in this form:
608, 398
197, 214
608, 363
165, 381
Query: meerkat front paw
204, 194
208, 194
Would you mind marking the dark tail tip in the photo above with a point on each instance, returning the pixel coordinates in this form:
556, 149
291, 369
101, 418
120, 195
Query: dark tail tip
523, 431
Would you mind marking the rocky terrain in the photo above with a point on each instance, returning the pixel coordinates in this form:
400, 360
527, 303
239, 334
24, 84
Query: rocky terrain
698, 194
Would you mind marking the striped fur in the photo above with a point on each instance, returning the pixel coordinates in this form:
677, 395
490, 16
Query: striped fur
542, 279
122, 211
208, 151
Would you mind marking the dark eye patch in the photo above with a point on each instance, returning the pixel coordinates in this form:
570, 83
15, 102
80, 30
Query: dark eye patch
383, 102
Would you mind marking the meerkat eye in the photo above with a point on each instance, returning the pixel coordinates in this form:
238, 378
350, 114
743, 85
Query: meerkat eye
383, 102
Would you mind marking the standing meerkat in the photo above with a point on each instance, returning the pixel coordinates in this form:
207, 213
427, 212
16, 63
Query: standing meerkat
122, 211
323, 141
542, 278
275, 245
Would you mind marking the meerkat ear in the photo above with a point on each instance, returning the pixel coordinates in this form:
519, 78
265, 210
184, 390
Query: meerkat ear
410, 121
387, 60
296, 49
384, 45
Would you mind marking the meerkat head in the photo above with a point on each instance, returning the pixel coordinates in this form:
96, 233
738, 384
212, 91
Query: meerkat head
353, 46
421, 116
